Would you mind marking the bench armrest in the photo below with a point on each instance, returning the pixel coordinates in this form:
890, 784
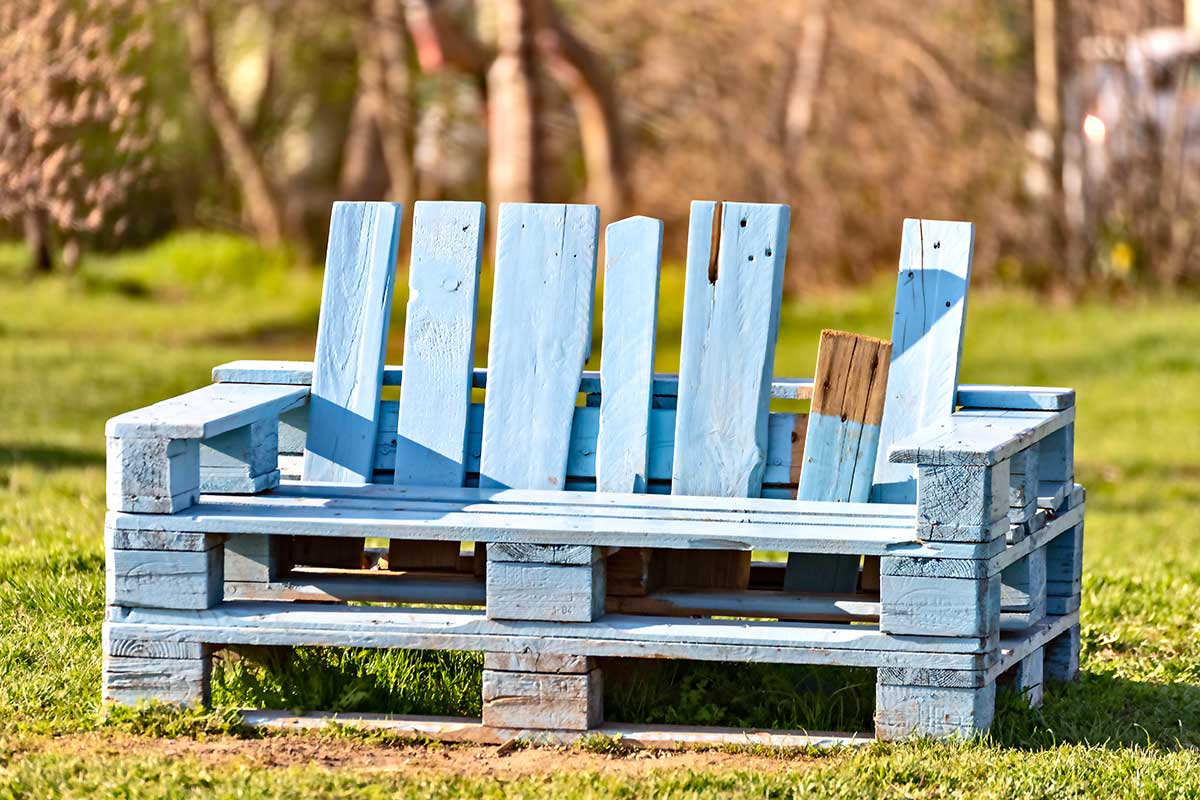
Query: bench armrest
978, 437
222, 438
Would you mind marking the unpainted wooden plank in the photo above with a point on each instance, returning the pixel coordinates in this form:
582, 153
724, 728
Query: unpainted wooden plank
840, 445
735, 260
927, 330
545, 701
540, 338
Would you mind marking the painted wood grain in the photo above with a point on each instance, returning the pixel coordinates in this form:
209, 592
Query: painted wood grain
734, 283
207, 412
540, 338
841, 440
930, 311
552, 592
633, 253
963, 503
152, 475
178, 681
981, 438
164, 579
902, 712
939, 606
356, 304
538, 662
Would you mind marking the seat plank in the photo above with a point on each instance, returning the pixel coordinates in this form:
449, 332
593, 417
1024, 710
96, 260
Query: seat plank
207, 412
356, 304
540, 339
927, 331
439, 351
734, 283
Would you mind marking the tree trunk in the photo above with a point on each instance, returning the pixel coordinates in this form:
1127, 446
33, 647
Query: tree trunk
1048, 63
37, 238
802, 87
389, 83
513, 105
263, 208
581, 74
360, 177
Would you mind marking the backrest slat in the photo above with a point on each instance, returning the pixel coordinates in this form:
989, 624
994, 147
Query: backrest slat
540, 338
356, 303
633, 253
439, 343
732, 296
927, 331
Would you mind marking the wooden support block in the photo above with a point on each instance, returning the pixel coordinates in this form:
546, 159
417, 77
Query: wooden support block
907, 711
1025, 678
840, 446
171, 672
334, 552
868, 581
257, 558
962, 503
563, 591
939, 606
1056, 457
542, 701
1023, 583
1023, 485
423, 554
152, 475
1064, 563
635, 571
241, 461
1062, 656
122, 539
707, 569
184, 579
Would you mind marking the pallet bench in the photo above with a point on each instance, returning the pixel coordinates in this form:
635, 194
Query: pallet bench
937, 538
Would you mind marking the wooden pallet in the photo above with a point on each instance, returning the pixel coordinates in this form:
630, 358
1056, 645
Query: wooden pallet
620, 527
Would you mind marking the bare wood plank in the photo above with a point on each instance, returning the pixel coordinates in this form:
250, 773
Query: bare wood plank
840, 445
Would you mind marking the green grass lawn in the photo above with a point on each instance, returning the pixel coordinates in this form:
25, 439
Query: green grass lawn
134, 329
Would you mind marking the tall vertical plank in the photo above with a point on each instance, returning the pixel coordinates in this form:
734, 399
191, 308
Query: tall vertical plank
356, 304
927, 331
540, 339
840, 446
734, 283
439, 348
633, 249
633, 252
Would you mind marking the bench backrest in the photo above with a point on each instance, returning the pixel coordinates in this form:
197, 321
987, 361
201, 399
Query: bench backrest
531, 433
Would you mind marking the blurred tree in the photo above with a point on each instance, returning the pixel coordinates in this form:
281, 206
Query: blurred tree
72, 130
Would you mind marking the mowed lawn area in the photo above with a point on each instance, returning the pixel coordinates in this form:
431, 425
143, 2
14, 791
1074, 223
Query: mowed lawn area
134, 329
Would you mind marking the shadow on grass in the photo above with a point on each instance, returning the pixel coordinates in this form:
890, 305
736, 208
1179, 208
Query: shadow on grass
49, 457
1106, 711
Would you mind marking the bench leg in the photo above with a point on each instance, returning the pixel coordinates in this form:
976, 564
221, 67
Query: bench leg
932, 702
1062, 656
178, 673
525, 691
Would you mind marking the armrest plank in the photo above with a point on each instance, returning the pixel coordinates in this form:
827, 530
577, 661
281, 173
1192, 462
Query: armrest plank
208, 412
978, 437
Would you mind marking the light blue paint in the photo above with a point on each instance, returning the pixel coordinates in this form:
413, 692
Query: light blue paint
439, 343
730, 325
931, 307
356, 303
633, 249
540, 338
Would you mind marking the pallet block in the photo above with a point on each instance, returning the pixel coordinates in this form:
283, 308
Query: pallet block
541, 692
178, 673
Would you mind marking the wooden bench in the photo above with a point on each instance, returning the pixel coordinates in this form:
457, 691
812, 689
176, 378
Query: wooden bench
933, 533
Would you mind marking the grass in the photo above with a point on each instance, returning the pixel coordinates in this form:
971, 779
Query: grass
136, 328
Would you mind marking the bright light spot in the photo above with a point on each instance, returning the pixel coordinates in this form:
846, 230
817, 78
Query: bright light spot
1094, 128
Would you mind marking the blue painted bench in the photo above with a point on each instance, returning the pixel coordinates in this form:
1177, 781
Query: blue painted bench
932, 530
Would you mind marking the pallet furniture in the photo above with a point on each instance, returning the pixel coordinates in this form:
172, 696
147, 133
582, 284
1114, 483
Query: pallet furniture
572, 516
